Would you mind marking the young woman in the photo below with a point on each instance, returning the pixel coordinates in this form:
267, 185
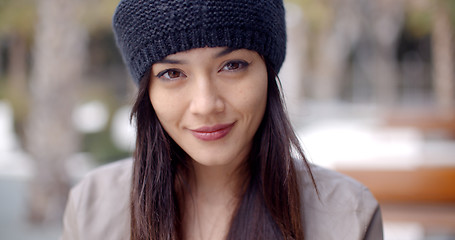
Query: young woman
214, 149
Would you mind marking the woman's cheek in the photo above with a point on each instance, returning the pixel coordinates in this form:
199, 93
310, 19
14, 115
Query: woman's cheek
164, 105
253, 101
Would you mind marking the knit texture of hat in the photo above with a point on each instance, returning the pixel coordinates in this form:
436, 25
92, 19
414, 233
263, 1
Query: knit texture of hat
147, 31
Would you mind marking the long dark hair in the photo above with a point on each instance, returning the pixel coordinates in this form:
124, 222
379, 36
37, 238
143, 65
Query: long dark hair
270, 206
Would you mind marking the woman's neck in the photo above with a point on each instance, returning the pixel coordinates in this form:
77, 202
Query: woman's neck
210, 205
211, 183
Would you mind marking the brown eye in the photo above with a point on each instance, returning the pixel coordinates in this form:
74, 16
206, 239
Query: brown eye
173, 74
234, 65
170, 74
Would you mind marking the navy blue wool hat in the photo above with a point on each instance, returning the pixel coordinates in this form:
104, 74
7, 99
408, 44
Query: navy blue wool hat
147, 31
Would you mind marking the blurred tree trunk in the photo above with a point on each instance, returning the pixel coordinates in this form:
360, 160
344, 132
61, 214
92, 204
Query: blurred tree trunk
17, 67
335, 45
59, 52
386, 18
367, 32
16, 76
292, 74
443, 59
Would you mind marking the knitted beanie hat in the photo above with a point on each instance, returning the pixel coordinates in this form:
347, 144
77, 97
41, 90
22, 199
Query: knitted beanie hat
147, 31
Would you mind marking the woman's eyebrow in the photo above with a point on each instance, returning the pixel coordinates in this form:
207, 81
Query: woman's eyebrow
171, 61
225, 52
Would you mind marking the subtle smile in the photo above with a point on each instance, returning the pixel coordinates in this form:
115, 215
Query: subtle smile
212, 133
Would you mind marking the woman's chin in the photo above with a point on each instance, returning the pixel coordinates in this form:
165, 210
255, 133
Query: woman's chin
214, 160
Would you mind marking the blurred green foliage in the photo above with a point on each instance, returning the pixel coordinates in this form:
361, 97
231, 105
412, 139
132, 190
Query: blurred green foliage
101, 147
97, 15
317, 12
17, 16
451, 8
419, 22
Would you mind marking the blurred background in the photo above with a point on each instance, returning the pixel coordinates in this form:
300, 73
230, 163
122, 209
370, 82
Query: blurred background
369, 85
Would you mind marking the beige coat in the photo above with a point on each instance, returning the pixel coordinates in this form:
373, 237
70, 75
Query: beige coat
98, 206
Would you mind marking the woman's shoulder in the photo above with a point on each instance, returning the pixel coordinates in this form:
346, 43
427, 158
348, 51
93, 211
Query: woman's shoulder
118, 172
98, 206
341, 205
330, 183
107, 180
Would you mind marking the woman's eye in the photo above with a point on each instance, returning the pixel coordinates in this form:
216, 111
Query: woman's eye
234, 65
170, 74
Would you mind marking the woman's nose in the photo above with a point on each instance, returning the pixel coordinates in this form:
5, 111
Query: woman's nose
206, 98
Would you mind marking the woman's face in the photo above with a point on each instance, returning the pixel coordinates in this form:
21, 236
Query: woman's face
211, 102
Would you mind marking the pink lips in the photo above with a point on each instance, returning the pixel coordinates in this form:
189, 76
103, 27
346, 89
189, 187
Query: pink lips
212, 133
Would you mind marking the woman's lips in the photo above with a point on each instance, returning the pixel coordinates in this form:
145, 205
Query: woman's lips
212, 133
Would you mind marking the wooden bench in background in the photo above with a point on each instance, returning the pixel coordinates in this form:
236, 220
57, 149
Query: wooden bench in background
421, 185
423, 195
